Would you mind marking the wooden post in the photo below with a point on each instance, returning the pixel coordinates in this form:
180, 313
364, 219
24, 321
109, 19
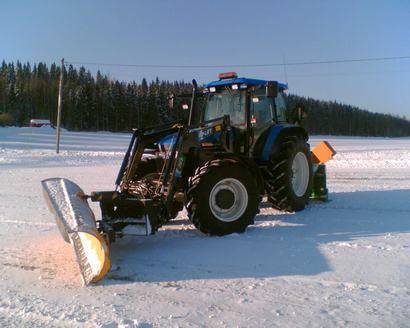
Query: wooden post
60, 104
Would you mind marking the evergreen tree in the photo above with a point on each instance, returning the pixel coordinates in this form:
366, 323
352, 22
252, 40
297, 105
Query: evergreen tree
100, 103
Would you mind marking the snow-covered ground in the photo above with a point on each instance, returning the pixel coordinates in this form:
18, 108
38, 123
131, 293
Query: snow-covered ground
341, 263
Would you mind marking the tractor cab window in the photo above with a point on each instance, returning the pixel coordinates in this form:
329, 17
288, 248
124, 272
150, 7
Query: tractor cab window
262, 109
226, 102
280, 107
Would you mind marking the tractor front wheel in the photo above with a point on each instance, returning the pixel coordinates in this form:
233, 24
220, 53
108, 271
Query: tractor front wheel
223, 197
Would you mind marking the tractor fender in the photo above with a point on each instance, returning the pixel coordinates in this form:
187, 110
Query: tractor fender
276, 134
198, 136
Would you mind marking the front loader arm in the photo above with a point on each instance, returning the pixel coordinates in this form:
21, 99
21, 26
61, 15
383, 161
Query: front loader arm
139, 142
90, 237
135, 199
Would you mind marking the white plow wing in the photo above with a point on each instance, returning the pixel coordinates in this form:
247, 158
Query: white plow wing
76, 223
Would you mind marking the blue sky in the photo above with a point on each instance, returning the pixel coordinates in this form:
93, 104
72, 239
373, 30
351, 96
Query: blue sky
226, 32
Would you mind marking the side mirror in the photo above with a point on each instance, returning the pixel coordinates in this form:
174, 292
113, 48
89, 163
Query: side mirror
272, 89
195, 84
299, 114
171, 98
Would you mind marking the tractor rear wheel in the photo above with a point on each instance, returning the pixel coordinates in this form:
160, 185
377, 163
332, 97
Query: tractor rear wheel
222, 198
289, 175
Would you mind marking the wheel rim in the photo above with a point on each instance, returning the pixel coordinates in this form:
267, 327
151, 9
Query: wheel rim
228, 200
300, 174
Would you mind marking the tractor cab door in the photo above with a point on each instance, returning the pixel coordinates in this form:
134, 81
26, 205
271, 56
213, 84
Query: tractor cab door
262, 112
280, 106
265, 111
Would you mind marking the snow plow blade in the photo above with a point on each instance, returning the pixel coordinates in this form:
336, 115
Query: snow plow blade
77, 225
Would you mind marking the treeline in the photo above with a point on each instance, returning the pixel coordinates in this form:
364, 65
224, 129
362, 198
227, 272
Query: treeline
89, 102
101, 103
331, 117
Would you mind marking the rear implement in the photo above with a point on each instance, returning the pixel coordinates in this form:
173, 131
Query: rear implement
321, 154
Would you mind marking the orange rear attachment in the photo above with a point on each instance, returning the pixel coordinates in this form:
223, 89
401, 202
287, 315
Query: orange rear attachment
322, 153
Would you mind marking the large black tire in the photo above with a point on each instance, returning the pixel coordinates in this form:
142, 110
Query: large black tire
282, 193
222, 198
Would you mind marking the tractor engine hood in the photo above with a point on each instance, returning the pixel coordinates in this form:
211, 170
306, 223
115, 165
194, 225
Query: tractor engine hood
203, 135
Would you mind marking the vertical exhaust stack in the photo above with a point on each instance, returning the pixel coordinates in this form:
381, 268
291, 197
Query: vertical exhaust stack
77, 225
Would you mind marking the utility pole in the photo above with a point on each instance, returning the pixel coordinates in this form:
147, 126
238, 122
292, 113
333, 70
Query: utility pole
60, 104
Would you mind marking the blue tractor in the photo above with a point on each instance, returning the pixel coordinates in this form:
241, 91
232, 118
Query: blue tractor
236, 147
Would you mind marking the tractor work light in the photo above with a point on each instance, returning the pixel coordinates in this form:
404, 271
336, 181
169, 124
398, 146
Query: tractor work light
185, 106
227, 75
212, 89
235, 87
218, 128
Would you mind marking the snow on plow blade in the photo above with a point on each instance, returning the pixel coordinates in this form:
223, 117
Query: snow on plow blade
77, 226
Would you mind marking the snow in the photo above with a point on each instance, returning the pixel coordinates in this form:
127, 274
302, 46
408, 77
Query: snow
341, 263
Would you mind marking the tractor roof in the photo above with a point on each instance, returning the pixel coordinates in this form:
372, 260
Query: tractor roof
243, 80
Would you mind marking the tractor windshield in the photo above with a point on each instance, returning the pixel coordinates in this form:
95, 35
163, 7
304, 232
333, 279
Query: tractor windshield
226, 102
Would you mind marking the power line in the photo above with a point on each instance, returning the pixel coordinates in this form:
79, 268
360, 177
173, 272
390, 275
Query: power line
320, 62
349, 73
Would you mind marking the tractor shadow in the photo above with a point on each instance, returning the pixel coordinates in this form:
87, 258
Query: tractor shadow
277, 245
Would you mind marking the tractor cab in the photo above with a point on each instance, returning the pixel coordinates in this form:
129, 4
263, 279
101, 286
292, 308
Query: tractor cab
252, 105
